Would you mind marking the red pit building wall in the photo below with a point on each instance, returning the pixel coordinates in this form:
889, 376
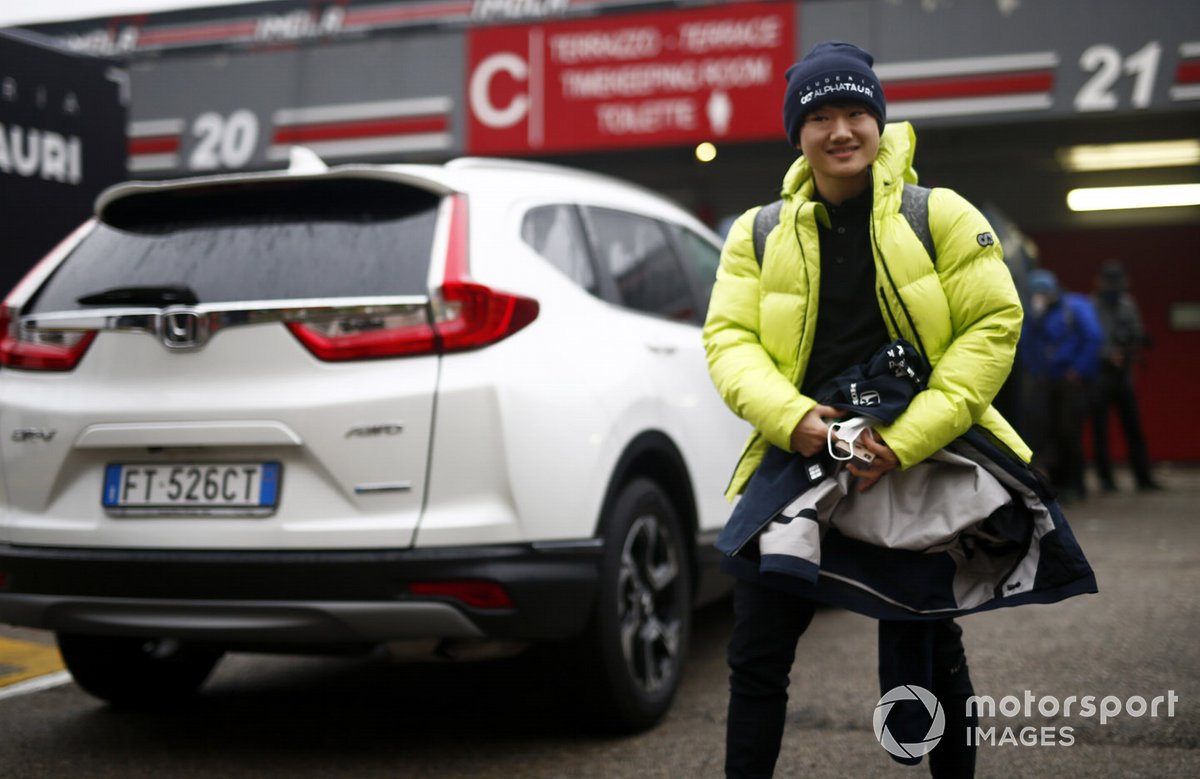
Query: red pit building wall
1163, 265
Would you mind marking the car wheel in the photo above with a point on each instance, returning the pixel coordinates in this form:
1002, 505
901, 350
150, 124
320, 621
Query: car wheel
136, 672
643, 616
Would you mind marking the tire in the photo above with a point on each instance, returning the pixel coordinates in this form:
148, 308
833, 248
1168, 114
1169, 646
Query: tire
644, 611
136, 672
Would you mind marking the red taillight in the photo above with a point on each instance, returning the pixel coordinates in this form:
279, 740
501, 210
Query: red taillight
473, 315
366, 338
467, 315
477, 594
40, 350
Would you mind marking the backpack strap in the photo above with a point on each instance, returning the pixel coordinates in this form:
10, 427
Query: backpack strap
914, 204
764, 222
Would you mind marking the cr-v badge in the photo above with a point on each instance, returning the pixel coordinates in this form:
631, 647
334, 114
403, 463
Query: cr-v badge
23, 434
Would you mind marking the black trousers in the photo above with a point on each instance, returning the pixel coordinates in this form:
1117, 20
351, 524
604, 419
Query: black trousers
1056, 413
1114, 389
767, 625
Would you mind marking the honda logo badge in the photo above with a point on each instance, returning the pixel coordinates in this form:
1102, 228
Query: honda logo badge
182, 328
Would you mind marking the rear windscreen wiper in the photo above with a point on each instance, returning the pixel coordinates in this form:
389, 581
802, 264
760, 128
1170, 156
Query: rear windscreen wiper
141, 296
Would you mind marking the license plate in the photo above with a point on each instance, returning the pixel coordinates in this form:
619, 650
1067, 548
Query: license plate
248, 489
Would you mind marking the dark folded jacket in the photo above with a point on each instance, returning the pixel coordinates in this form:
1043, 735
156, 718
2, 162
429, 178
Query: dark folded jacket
974, 528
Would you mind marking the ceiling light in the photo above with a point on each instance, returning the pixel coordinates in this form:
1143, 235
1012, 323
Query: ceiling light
1112, 198
1122, 156
706, 152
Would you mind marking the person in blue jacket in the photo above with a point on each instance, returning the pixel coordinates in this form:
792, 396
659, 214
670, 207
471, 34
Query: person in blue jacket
1060, 350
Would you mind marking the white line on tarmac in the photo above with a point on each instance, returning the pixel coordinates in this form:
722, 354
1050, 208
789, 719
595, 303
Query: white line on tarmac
35, 685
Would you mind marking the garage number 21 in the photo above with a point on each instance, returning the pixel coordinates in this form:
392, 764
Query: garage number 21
1106, 65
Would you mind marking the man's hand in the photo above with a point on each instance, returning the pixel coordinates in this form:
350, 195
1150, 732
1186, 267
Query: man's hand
810, 436
885, 460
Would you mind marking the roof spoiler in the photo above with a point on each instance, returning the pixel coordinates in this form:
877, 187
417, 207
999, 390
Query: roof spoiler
302, 159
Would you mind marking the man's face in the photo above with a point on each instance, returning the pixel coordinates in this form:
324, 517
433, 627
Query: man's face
840, 141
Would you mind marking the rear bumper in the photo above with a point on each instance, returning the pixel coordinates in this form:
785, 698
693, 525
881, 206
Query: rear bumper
298, 598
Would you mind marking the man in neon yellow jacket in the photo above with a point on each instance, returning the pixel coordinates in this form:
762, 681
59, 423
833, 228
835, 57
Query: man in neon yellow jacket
762, 321
841, 274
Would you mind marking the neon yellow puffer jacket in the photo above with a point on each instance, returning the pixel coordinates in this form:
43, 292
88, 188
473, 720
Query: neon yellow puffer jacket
761, 321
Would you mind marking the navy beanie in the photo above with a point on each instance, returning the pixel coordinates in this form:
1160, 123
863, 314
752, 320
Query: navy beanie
1043, 281
833, 72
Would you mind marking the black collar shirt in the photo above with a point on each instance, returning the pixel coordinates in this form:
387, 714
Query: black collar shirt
850, 327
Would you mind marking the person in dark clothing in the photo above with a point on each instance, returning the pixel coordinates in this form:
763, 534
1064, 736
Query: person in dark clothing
1124, 338
825, 296
1060, 350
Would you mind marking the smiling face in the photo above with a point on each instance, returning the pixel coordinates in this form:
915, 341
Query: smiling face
840, 142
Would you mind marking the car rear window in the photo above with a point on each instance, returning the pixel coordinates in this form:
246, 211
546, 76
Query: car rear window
256, 241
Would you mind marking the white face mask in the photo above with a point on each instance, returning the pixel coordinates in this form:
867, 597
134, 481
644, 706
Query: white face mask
848, 433
1038, 302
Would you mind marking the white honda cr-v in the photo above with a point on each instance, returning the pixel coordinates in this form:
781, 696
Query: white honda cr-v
331, 409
